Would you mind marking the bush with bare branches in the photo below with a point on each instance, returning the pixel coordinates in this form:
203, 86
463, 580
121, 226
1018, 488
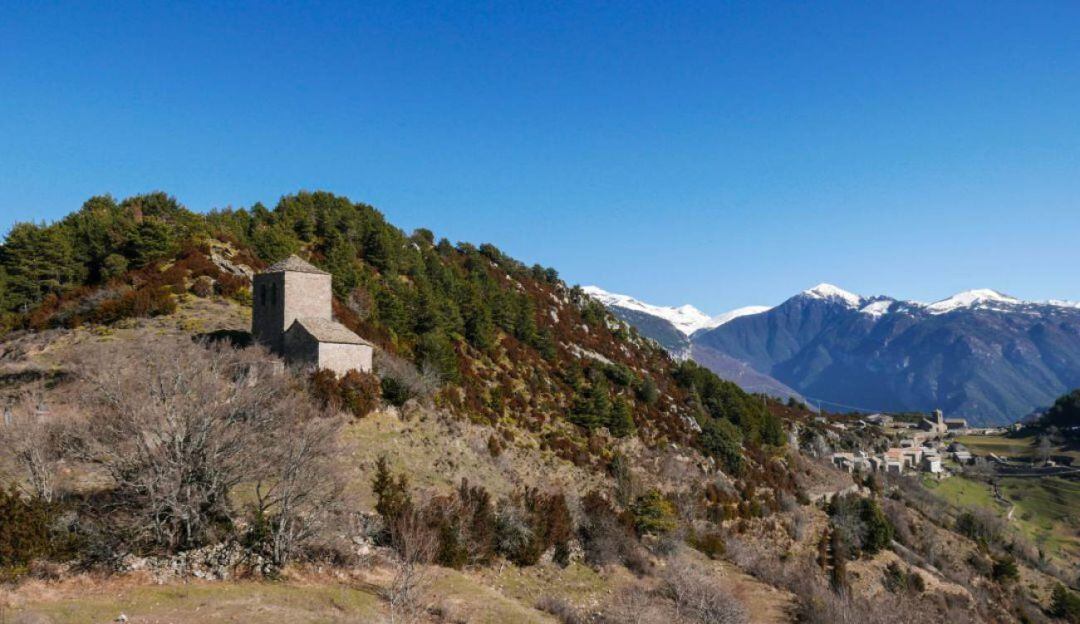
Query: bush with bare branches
402, 380
178, 426
32, 437
698, 598
415, 544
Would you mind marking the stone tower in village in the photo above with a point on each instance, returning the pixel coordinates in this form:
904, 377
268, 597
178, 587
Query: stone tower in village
292, 316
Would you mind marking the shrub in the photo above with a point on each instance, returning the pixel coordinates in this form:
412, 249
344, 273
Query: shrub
620, 420
465, 523
897, 580
654, 514
1005, 570
980, 525
215, 423
495, 447
1065, 604
229, 285
563, 611
24, 531
619, 374
722, 440
698, 598
355, 392
647, 391
711, 544
202, 286
605, 537
860, 524
359, 393
392, 497
530, 523
394, 391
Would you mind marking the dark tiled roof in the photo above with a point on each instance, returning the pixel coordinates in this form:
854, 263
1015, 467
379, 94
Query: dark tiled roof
294, 263
325, 330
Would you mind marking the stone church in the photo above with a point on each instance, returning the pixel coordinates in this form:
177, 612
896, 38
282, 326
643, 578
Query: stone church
291, 315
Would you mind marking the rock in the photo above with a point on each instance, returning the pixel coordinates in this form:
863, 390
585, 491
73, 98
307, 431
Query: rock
217, 562
223, 263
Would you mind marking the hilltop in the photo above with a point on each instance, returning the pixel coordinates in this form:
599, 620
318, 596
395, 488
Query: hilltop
518, 454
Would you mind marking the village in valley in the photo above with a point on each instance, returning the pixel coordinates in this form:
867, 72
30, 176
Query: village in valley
900, 445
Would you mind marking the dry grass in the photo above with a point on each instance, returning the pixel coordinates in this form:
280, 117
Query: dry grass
437, 452
85, 600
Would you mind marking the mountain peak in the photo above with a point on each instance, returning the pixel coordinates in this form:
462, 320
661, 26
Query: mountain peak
686, 318
970, 299
727, 317
833, 293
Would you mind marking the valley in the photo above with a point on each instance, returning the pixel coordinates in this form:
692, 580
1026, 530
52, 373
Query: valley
514, 453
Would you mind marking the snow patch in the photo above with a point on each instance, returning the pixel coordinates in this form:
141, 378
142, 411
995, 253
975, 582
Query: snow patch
687, 319
727, 317
970, 299
1058, 303
834, 293
877, 308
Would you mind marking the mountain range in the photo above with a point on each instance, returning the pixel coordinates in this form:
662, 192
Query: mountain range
980, 354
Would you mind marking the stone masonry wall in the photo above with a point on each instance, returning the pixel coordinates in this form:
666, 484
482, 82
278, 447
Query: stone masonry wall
307, 295
301, 348
267, 310
341, 358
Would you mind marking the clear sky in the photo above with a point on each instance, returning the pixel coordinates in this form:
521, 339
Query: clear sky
720, 154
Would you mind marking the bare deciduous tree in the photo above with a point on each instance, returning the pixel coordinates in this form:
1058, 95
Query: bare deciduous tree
178, 426
1045, 450
298, 489
32, 437
415, 544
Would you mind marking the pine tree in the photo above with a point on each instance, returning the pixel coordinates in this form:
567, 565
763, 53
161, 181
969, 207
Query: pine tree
621, 421
38, 261
479, 328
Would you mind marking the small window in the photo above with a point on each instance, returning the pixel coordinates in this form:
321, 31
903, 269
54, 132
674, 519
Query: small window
262, 295
273, 294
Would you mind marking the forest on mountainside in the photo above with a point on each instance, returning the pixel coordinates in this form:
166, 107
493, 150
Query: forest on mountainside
518, 342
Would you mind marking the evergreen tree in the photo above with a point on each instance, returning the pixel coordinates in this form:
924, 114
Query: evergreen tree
479, 328
721, 439
38, 261
153, 239
435, 350
1065, 604
525, 321
621, 421
593, 408
272, 243
378, 249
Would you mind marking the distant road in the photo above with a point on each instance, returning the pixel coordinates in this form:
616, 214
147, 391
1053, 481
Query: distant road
1006, 470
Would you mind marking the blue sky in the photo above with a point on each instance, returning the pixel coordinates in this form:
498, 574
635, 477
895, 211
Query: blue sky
720, 154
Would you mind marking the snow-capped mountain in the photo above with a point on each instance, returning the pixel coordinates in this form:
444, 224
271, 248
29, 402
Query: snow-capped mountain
727, 317
980, 298
979, 354
674, 327
686, 319
828, 292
